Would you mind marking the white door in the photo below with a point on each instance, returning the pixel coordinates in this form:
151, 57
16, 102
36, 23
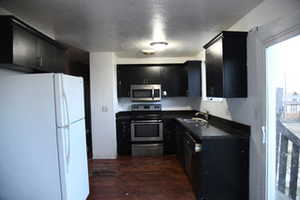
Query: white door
282, 47
283, 118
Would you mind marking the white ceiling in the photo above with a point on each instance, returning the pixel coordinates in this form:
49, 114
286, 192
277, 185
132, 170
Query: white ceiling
127, 26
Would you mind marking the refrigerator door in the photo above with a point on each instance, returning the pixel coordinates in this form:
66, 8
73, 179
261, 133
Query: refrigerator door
69, 99
71, 137
29, 160
74, 169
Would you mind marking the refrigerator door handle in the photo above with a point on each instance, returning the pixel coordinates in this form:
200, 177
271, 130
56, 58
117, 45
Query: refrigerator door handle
67, 126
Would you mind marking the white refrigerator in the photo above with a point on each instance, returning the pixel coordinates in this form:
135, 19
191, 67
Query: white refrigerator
42, 138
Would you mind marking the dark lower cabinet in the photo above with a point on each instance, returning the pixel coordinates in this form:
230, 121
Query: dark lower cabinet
220, 170
123, 137
180, 145
169, 136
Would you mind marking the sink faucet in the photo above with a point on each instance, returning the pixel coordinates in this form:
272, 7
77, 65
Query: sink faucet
205, 114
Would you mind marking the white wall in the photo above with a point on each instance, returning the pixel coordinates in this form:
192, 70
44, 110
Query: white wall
103, 104
251, 110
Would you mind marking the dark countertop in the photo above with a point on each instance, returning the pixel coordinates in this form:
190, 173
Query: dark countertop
200, 132
217, 127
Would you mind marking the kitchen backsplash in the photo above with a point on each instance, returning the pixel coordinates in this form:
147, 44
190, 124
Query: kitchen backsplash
168, 103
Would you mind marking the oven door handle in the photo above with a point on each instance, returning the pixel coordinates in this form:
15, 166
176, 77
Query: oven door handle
153, 93
147, 122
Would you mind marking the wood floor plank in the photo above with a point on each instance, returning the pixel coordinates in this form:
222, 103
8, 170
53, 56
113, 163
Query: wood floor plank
139, 178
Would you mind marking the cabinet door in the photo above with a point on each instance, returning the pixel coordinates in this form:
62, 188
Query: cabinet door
146, 75
60, 61
124, 78
24, 47
123, 137
214, 70
169, 136
174, 81
194, 78
179, 145
134, 74
46, 55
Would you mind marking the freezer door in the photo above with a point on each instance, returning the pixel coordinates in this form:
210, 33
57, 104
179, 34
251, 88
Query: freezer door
69, 99
73, 161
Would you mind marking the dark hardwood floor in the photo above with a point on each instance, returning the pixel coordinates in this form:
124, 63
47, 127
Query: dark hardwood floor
139, 178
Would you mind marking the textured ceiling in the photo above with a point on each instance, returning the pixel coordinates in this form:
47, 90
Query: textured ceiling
127, 26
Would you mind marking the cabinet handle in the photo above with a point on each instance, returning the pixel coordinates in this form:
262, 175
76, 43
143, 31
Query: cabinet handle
41, 61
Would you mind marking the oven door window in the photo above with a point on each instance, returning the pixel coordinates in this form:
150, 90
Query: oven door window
142, 93
146, 130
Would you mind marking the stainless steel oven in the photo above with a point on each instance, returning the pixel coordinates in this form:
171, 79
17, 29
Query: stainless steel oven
146, 130
145, 92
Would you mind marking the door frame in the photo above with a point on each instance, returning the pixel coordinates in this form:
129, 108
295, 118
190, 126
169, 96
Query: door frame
270, 35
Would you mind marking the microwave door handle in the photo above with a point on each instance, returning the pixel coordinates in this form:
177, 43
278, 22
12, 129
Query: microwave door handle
152, 93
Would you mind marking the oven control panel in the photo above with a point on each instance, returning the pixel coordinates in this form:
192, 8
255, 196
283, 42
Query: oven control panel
146, 107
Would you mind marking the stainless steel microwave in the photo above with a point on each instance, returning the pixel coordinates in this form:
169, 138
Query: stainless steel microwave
145, 92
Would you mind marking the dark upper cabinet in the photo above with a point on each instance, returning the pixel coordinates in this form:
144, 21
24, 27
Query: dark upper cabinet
194, 87
45, 55
124, 80
49, 57
147, 75
128, 75
226, 65
26, 49
60, 60
172, 77
174, 80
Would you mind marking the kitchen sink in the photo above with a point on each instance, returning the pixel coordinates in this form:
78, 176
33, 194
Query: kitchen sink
196, 121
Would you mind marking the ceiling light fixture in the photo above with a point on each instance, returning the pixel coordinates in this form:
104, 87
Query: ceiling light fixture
159, 46
148, 51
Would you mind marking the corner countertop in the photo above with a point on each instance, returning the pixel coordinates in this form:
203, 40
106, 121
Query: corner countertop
217, 127
203, 131
215, 130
